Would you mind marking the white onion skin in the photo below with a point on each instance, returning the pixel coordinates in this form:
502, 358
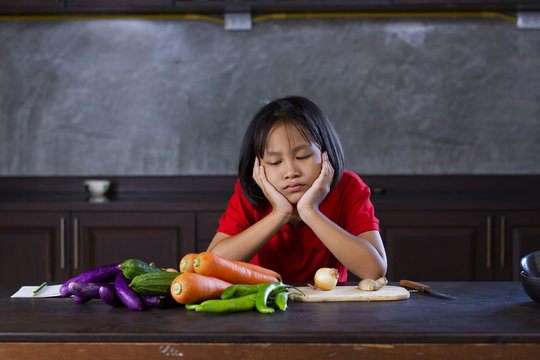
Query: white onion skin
326, 278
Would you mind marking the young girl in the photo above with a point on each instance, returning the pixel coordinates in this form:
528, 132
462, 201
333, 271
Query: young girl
295, 209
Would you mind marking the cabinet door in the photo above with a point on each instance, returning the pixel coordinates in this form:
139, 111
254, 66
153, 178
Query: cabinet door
33, 247
437, 245
207, 225
517, 234
111, 237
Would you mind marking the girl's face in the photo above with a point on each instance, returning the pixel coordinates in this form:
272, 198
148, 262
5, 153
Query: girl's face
291, 163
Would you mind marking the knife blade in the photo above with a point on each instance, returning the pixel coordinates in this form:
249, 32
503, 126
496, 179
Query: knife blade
424, 289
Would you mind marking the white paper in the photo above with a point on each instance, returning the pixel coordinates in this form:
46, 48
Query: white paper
46, 292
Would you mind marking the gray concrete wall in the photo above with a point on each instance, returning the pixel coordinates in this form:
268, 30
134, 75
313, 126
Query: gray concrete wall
150, 97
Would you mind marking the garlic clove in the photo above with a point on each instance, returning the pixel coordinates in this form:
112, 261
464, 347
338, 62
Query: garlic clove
383, 281
369, 285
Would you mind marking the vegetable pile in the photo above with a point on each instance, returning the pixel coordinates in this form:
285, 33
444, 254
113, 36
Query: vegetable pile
206, 283
222, 285
121, 285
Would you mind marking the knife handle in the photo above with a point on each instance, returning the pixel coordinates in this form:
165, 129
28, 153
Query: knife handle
414, 285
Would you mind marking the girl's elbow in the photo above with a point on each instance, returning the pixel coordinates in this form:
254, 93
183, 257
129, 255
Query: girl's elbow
374, 272
383, 268
381, 265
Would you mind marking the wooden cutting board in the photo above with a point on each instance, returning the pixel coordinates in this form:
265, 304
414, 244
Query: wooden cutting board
351, 293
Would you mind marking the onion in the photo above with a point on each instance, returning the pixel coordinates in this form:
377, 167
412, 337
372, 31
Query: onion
326, 278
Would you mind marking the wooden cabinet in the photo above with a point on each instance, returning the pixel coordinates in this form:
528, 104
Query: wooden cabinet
458, 245
517, 234
435, 228
423, 245
50, 246
437, 245
33, 247
111, 237
207, 224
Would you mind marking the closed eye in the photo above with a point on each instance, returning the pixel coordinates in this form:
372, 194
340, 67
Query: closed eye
274, 163
303, 157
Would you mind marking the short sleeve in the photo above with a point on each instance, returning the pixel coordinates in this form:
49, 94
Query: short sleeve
357, 212
238, 215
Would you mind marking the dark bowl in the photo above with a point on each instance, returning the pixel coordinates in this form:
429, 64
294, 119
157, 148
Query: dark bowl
531, 285
530, 263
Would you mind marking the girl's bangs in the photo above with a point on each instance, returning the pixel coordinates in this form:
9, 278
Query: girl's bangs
290, 124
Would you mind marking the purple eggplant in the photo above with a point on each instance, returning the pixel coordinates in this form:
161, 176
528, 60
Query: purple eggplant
107, 293
97, 275
128, 296
81, 299
81, 289
150, 301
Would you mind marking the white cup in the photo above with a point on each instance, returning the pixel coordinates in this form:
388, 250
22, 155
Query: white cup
97, 188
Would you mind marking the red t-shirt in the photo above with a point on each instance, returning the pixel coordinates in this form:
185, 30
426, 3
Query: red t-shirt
296, 252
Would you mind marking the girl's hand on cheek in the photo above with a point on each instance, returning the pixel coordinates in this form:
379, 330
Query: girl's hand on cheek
277, 200
318, 191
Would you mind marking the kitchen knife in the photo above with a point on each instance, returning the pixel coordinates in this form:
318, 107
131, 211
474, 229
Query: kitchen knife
424, 289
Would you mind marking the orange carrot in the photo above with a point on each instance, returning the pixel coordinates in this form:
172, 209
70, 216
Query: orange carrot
190, 288
259, 269
210, 264
186, 264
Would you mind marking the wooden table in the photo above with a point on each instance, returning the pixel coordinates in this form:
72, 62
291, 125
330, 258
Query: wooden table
487, 320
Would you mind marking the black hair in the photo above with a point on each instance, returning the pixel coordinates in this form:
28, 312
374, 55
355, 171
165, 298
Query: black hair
299, 112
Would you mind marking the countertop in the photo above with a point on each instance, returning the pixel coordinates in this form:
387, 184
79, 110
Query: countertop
483, 313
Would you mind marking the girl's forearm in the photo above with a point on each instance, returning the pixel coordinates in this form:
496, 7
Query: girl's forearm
246, 244
364, 257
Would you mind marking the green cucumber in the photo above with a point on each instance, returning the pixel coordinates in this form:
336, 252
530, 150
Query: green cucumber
155, 283
133, 267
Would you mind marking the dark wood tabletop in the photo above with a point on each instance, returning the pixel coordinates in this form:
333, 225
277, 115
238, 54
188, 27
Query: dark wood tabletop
483, 312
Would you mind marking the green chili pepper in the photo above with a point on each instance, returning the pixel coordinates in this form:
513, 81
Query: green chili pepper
192, 306
241, 290
229, 292
267, 290
281, 300
242, 303
262, 297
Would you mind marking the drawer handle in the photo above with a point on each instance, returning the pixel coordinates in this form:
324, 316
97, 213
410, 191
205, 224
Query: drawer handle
62, 243
488, 242
75, 243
